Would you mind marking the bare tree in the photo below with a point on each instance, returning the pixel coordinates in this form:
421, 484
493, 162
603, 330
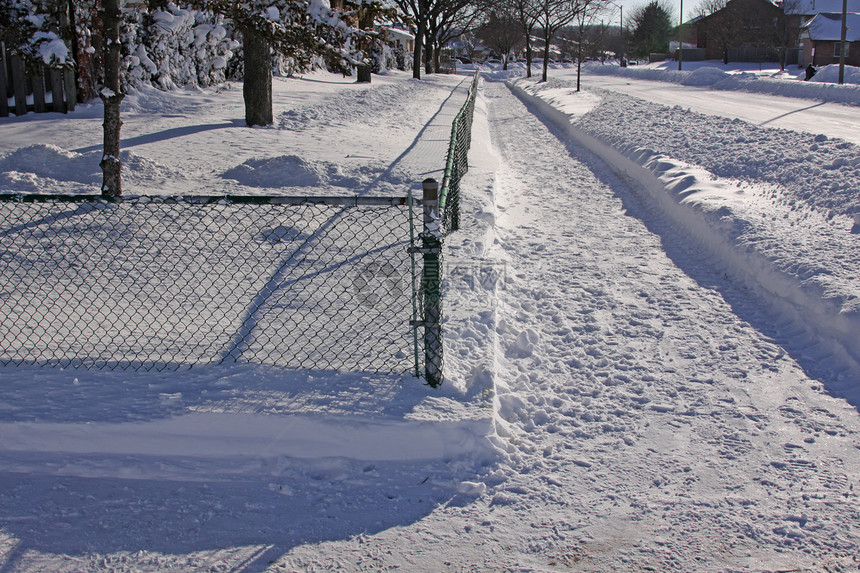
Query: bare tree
550, 16
451, 19
502, 32
783, 35
419, 12
524, 13
588, 11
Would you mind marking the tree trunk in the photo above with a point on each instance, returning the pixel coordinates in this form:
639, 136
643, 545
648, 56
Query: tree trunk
579, 62
428, 64
545, 58
363, 73
112, 96
528, 52
416, 55
257, 85
84, 27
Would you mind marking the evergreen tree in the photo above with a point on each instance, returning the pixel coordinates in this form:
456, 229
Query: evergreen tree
299, 30
32, 29
652, 28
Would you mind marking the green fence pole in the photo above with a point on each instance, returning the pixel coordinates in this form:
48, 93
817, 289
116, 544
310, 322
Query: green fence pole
432, 283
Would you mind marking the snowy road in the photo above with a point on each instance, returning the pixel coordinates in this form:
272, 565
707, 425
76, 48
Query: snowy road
648, 425
831, 119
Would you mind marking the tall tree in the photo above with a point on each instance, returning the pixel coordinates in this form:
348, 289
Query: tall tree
450, 19
298, 30
502, 32
433, 19
419, 12
588, 11
112, 96
525, 14
652, 28
550, 16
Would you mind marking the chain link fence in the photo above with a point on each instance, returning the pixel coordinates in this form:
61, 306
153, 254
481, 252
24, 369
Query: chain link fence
155, 283
457, 160
160, 283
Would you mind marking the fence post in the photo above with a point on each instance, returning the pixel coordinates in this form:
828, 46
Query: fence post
38, 81
19, 86
431, 281
59, 104
70, 89
4, 84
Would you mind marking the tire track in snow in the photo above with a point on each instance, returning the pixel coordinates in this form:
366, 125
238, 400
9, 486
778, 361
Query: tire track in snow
634, 388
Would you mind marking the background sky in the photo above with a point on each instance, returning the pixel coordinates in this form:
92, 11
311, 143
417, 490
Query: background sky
690, 7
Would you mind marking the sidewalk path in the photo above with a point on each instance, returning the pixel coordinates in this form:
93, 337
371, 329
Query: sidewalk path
647, 424
426, 156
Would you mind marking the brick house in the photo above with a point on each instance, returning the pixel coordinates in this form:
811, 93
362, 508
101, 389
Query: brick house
820, 39
743, 30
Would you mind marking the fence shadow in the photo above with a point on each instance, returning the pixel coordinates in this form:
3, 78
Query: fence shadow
77, 395
240, 512
164, 135
220, 521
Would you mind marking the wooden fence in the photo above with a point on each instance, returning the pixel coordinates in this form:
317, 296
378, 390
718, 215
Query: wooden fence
22, 92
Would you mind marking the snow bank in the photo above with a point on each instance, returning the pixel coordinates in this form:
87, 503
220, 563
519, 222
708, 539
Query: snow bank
824, 88
222, 435
292, 171
34, 168
790, 236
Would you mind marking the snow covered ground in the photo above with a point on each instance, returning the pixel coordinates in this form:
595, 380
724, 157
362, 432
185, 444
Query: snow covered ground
663, 377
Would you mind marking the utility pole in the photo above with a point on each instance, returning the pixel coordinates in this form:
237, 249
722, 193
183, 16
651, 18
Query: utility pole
681, 38
843, 45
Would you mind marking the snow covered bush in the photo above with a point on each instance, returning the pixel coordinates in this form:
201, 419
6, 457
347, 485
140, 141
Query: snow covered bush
30, 29
163, 47
175, 46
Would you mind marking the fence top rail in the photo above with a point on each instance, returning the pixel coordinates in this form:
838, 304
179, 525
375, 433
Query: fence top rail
452, 142
212, 199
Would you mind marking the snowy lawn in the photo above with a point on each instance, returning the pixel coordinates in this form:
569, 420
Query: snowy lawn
652, 363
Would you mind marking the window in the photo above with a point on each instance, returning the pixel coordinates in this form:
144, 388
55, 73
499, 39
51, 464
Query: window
836, 49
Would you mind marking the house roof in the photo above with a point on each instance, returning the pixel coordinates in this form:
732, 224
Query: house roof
810, 7
729, 4
828, 28
399, 33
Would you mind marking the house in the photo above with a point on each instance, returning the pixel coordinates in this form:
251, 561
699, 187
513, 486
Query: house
798, 13
400, 38
742, 31
821, 39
